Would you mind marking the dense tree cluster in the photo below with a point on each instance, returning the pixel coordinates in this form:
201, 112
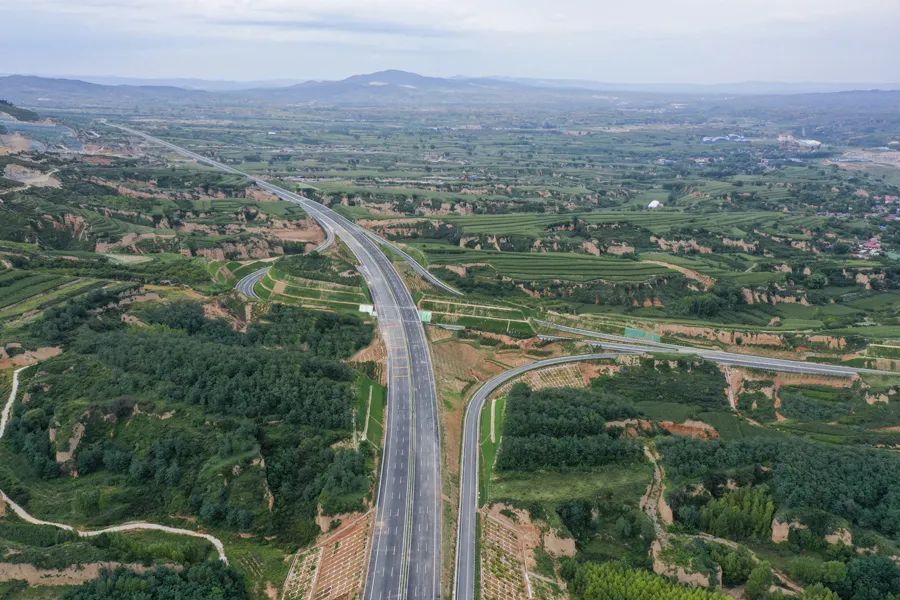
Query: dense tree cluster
613, 581
206, 581
736, 563
321, 333
249, 382
28, 436
870, 578
721, 297
658, 380
59, 323
857, 484
320, 267
563, 428
742, 514
258, 411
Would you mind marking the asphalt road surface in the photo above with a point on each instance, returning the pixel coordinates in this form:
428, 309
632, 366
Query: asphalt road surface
418, 268
408, 504
248, 282
466, 542
626, 344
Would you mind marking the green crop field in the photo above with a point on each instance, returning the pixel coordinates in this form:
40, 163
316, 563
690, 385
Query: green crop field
656, 221
546, 266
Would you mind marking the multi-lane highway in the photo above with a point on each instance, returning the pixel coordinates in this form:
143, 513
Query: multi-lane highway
408, 504
466, 542
620, 343
418, 268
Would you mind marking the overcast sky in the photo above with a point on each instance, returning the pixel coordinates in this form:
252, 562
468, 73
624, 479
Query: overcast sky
696, 41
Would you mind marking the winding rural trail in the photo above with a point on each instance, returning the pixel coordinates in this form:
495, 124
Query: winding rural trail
130, 526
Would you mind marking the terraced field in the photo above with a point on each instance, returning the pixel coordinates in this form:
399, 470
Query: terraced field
657, 221
537, 267
492, 318
310, 293
24, 291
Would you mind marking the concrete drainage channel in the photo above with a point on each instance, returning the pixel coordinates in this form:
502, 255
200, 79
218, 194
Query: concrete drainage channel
131, 526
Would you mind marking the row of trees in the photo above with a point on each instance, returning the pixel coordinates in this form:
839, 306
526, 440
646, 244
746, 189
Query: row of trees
689, 381
563, 428
742, 514
205, 581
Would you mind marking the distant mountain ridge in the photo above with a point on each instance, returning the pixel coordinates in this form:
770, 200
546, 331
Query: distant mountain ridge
389, 86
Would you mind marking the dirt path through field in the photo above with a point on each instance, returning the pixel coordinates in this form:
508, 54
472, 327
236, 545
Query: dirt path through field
131, 526
706, 280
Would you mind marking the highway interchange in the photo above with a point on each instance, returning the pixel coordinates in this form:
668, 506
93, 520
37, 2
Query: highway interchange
405, 559
408, 505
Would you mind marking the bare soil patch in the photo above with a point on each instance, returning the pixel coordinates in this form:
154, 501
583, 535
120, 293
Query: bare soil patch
29, 357
74, 575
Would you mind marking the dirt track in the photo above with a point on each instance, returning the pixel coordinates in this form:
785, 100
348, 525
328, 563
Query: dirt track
133, 526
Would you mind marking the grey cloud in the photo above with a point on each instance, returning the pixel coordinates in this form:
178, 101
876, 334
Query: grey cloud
340, 24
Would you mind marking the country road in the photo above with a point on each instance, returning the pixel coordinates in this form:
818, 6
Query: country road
466, 542
408, 503
130, 526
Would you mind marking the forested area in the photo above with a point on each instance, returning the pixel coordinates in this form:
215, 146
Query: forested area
660, 380
745, 513
856, 484
259, 412
207, 581
320, 267
563, 428
614, 581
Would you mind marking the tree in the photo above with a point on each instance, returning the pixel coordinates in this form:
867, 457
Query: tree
870, 578
205, 581
819, 592
759, 581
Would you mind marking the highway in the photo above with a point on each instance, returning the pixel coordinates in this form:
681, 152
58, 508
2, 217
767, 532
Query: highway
246, 284
626, 344
466, 542
408, 502
418, 268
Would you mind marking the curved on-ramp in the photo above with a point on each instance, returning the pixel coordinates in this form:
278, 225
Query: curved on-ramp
247, 284
626, 344
466, 542
130, 526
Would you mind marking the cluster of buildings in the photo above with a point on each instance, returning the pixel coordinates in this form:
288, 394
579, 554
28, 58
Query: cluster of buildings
720, 139
869, 248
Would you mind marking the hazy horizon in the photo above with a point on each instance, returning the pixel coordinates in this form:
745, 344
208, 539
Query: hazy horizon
646, 41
